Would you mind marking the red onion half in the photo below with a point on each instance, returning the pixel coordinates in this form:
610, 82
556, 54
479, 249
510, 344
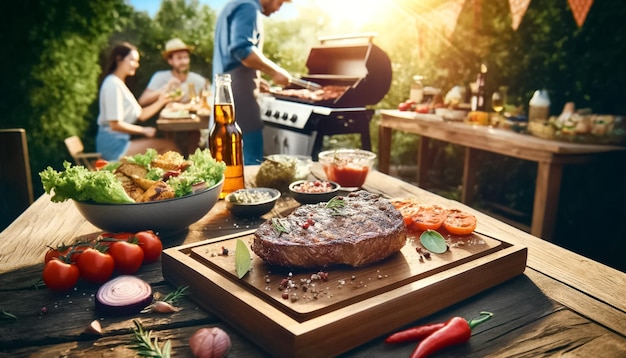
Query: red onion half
123, 295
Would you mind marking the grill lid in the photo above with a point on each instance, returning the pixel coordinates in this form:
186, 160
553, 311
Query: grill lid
352, 63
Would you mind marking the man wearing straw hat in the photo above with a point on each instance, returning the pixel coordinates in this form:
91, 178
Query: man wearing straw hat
176, 54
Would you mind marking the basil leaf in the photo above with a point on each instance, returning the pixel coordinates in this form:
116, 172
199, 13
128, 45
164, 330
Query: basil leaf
433, 242
242, 259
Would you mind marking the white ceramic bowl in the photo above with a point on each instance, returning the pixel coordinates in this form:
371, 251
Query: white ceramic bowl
163, 216
347, 167
251, 209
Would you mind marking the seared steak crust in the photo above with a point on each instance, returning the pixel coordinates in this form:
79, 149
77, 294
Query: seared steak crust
366, 229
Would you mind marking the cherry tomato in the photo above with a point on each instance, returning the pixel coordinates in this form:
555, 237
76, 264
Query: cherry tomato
60, 276
95, 266
150, 244
127, 256
423, 108
55, 252
109, 237
62, 250
77, 249
100, 163
458, 222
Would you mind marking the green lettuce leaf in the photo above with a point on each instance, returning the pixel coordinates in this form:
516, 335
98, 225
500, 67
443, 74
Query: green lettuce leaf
204, 169
82, 184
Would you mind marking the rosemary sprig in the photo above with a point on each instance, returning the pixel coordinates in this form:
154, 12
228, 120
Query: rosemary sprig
148, 346
335, 205
280, 226
172, 297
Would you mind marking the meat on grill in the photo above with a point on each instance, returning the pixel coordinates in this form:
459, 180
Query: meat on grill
326, 93
364, 230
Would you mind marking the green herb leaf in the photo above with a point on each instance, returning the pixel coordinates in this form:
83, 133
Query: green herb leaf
280, 225
4, 315
148, 346
242, 259
433, 242
172, 297
335, 204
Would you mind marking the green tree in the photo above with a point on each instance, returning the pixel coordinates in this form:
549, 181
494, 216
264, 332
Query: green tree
51, 66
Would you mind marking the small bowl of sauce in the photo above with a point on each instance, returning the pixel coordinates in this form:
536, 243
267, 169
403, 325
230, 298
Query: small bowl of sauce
313, 191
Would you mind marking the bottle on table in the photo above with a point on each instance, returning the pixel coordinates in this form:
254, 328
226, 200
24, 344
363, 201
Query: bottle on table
539, 107
416, 93
225, 138
478, 90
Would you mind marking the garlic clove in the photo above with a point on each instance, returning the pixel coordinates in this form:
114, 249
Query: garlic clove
94, 328
163, 307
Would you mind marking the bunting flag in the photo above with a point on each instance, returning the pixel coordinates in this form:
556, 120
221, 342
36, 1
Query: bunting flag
518, 9
447, 15
580, 9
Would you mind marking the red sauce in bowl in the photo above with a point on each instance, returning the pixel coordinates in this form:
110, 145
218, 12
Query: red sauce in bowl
346, 175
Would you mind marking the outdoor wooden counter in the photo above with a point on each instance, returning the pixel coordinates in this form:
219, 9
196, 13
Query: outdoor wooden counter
551, 156
563, 304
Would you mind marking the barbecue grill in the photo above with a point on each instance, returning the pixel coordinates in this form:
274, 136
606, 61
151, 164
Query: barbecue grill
353, 72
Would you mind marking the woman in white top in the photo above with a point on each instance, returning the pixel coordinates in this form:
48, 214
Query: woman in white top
119, 110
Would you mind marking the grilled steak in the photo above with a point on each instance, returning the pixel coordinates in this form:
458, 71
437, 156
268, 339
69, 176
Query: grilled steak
357, 229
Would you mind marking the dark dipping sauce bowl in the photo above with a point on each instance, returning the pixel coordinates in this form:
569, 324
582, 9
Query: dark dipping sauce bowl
313, 191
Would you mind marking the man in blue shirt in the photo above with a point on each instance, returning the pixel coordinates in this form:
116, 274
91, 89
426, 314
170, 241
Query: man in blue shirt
238, 50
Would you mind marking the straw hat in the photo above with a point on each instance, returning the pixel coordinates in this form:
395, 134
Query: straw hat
174, 45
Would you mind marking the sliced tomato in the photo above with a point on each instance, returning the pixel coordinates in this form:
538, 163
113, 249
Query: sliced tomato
100, 163
459, 222
407, 208
420, 217
428, 218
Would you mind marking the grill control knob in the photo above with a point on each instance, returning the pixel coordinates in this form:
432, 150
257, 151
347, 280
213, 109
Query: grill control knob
268, 113
294, 118
277, 114
285, 116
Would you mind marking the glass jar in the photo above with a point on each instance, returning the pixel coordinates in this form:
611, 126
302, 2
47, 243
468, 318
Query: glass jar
417, 89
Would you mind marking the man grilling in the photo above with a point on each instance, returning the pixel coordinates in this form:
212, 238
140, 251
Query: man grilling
238, 50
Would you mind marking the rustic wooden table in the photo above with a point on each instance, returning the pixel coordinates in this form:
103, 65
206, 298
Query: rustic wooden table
563, 304
550, 155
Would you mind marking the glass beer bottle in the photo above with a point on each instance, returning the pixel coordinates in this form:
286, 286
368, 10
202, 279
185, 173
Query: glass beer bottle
225, 138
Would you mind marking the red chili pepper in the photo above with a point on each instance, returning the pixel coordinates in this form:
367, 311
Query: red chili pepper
456, 331
414, 334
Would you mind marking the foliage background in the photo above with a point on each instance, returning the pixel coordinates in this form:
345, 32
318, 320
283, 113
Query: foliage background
53, 50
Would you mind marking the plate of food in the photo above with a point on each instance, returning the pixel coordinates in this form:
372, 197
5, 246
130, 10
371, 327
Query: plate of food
175, 113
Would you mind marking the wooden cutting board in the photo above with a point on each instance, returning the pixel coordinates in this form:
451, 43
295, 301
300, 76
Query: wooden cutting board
322, 313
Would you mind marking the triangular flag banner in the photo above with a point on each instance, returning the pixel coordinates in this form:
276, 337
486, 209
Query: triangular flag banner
518, 9
447, 15
580, 9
